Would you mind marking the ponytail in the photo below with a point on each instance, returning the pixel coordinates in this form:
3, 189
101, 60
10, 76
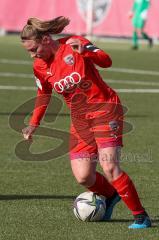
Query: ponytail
36, 28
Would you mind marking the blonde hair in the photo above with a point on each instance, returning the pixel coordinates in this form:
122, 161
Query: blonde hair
35, 28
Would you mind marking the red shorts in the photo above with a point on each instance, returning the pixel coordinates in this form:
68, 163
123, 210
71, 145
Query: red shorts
91, 130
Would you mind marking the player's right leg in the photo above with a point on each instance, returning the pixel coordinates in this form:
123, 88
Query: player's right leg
83, 163
84, 158
138, 24
135, 40
84, 170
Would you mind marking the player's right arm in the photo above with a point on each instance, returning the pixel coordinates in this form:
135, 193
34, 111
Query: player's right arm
42, 100
132, 11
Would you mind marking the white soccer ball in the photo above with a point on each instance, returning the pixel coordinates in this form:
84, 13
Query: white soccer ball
89, 207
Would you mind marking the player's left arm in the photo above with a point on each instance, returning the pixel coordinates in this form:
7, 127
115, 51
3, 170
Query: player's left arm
89, 50
144, 12
147, 4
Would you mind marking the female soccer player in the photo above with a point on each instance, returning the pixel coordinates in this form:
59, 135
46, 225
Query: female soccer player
67, 66
139, 17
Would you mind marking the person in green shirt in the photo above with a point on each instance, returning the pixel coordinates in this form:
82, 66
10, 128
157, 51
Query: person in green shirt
139, 17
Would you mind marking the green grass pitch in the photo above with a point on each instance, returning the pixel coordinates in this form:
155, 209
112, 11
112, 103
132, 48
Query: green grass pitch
36, 197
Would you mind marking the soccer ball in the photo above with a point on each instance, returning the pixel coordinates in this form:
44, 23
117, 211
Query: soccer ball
89, 207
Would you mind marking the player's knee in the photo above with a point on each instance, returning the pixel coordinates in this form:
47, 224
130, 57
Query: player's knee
108, 168
111, 171
85, 180
108, 163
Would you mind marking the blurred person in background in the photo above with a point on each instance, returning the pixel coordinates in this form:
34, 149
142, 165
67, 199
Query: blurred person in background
2, 31
67, 66
139, 15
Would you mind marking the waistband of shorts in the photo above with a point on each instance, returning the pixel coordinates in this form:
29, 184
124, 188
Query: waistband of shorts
78, 155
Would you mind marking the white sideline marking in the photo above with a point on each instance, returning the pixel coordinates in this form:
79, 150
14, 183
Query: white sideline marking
137, 90
17, 75
25, 88
112, 69
13, 61
132, 82
134, 71
127, 82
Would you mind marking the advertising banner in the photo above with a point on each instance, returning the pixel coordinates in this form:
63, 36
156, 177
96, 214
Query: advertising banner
110, 17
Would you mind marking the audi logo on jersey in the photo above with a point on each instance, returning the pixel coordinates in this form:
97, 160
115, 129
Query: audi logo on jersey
67, 82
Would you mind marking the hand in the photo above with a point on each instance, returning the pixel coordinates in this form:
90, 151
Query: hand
28, 131
75, 44
130, 14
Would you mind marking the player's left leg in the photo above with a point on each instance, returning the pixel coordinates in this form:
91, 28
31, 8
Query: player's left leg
147, 37
109, 159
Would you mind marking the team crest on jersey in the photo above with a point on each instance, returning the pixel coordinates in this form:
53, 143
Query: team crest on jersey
114, 125
100, 9
69, 59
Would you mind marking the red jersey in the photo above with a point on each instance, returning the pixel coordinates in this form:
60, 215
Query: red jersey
70, 73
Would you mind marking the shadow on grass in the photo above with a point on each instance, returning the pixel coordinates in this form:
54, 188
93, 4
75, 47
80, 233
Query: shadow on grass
130, 220
15, 197
36, 197
155, 221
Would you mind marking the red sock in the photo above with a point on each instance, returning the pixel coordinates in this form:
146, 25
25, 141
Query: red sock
102, 186
126, 189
